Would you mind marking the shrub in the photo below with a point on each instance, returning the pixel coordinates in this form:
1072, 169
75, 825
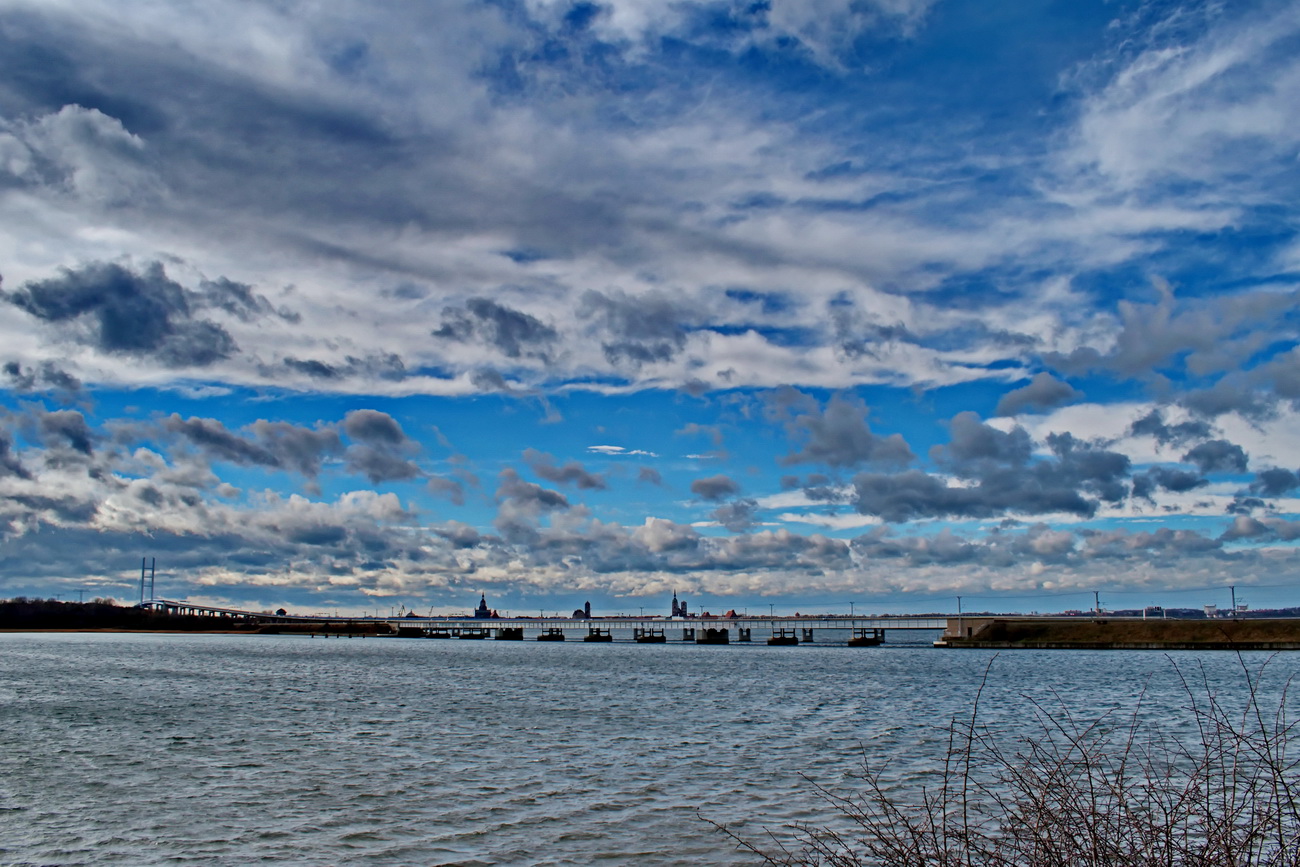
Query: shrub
1104, 792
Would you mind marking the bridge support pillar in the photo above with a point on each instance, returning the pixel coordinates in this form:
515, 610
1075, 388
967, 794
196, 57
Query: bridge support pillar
807, 635
688, 635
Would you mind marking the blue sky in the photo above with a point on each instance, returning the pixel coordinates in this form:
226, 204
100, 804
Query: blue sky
807, 305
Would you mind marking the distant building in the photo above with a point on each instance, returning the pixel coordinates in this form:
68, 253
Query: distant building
482, 612
586, 611
677, 608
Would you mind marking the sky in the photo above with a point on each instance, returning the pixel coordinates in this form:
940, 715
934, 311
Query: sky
828, 305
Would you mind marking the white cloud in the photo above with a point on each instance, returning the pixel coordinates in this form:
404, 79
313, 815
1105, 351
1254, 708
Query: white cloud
620, 450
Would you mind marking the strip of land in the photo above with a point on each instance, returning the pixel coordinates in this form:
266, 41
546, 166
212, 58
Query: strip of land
1103, 633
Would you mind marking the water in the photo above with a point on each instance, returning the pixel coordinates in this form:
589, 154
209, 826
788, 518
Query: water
228, 750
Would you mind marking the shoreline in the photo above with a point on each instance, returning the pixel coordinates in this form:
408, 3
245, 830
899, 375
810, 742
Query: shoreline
1105, 633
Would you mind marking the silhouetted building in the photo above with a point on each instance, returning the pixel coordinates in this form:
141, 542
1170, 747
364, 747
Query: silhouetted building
482, 612
677, 608
586, 610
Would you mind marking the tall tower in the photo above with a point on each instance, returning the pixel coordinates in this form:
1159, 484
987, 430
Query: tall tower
677, 609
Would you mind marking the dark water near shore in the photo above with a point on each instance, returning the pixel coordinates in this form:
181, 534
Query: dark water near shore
228, 750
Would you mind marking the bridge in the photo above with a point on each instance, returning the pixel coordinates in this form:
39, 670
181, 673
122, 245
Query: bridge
801, 629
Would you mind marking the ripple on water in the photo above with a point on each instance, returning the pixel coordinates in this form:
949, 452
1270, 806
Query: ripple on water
225, 750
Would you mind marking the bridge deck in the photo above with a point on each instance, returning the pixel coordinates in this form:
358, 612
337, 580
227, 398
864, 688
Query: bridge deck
574, 623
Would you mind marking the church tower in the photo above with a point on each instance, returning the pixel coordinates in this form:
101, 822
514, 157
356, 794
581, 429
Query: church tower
677, 608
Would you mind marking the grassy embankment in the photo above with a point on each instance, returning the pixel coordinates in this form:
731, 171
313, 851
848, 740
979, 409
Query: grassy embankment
1122, 634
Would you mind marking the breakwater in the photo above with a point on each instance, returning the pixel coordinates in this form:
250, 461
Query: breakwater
1113, 633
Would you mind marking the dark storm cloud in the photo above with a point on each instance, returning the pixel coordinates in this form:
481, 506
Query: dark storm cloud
1086, 466
916, 495
314, 369
1218, 456
68, 427
459, 535
276, 445
528, 496
121, 312
571, 473
1275, 482
240, 301
380, 449
515, 334
45, 375
662, 546
66, 509
1246, 527
839, 435
714, 488
380, 465
165, 93
1166, 478
945, 548
489, 380
1044, 392
520, 506
1163, 544
649, 475
1282, 374
9, 463
373, 427
636, 330
974, 445
1204, 335
217, 442
1227, 396
1153, 425
857, 334
294, 447
737, 516
785, 403
1004, 480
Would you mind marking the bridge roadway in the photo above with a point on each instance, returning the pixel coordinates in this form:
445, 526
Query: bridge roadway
573, 626
580, 626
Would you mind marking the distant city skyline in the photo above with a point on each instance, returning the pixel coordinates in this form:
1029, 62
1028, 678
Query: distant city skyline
792, 306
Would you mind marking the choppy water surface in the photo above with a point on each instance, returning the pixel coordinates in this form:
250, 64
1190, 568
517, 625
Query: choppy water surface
226, 750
